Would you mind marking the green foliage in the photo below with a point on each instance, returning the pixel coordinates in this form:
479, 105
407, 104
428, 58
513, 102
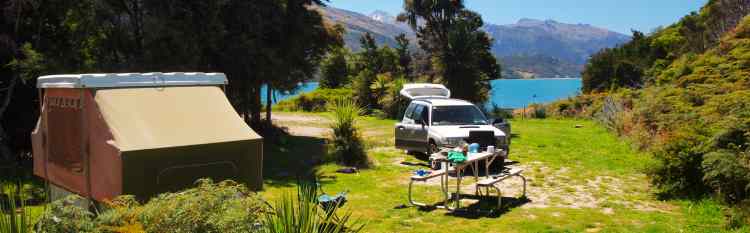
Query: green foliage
210, 207
679, 172
633, 64
404, 56
64, 216
14, 216
692, 112
620, 67
301, 213
278, 43
727, 170
347, 145
466, 65
538, 111
31, 66
314, 101
498, 112
393, 104
376, 66
334, 71
458, 49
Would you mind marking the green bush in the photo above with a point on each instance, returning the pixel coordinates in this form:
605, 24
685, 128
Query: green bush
14, 216
498, 112
334, 70
210, 207
678, 172
538, 111
389, 97
726, 173
727, 170
65, 216
314, 101
347, 144
301, 213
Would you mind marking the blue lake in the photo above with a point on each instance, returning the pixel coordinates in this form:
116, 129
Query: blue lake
506, 93
517, 93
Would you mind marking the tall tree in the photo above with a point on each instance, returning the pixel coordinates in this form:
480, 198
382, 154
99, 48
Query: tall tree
334, 70
404, 55
37, 36
368, 64
437, 17
459, 50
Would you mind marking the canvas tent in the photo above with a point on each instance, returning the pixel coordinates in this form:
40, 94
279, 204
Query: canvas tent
104, 135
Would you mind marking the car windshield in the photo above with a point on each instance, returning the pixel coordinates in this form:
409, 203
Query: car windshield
457, 115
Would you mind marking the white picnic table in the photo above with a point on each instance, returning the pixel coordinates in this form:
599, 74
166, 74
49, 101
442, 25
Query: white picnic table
472, 160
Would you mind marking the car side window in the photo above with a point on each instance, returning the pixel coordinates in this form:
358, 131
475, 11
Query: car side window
409, 112
426, 115
418, 112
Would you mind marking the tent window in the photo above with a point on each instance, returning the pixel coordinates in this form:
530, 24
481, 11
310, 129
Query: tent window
64, 132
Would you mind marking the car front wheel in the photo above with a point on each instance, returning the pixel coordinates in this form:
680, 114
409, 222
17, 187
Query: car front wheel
431, 149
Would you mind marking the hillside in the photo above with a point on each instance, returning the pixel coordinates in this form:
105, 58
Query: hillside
681, 93
527, 48
356, 24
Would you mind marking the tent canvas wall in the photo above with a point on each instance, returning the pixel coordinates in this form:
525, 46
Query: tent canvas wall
104, 135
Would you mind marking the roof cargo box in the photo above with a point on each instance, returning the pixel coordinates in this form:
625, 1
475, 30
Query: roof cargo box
425, 90
104, 135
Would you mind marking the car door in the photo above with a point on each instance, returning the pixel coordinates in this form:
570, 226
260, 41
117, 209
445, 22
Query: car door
416, 129
421, 127
402, 134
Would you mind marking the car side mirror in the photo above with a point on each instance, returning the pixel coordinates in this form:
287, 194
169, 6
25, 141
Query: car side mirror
498, 121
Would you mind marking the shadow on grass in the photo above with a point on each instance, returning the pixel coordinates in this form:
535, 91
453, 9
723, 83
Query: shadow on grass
486, 207
292, 158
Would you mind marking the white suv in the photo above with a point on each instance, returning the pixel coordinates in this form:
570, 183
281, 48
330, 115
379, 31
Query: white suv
434, 121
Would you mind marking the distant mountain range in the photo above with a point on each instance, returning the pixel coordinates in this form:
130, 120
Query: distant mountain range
529, 48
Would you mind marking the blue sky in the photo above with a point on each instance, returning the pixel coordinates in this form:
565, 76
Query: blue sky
616, 15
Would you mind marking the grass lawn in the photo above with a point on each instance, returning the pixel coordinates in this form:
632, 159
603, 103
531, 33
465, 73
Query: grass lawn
580, 180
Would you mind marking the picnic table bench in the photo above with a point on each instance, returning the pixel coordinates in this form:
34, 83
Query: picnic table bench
490, 183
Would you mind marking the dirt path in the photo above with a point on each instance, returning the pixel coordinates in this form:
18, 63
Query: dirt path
556, 189
303, 125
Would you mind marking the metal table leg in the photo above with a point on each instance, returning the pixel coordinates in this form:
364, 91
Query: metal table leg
459, 177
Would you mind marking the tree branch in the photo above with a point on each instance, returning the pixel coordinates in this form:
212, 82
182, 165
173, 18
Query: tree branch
8, 95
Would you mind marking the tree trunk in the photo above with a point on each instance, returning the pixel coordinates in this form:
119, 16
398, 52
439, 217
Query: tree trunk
269, 102
255, 109
5, 152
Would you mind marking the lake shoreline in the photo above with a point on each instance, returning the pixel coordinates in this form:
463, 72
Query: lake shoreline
534, 79
505, 93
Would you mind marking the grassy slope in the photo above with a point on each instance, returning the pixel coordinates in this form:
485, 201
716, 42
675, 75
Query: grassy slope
560, 160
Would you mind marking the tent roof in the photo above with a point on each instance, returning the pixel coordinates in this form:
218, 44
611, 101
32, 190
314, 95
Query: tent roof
161, 117
131, 80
